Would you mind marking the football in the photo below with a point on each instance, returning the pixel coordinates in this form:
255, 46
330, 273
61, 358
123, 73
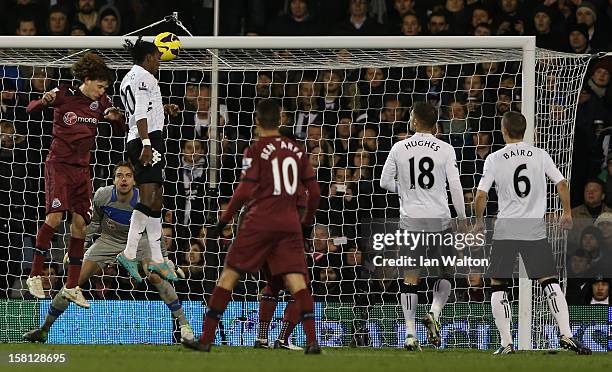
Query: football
168, 44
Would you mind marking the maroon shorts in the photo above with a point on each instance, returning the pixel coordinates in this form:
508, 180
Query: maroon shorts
283, 252
276, 283
68, 188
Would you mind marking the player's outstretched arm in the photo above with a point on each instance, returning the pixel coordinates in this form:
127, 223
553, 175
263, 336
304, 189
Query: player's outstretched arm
47, 99
480, 204
387, 179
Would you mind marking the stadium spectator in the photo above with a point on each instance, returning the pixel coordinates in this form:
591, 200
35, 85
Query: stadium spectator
589, 153
26, 26
87, 14
307, 108
471, 162
78, 29
599, 81
8, 99
298, 22
600, 291
400, 9
584, 215
109, 21
578, 39
483, 29
458, 16
546, 35
578, 273
186, 183
437, 24
586, 14
606, 177
481, 16
358, 23
57, 23
411, 25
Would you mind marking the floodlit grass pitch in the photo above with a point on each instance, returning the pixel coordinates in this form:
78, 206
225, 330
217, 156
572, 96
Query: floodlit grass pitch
110, 358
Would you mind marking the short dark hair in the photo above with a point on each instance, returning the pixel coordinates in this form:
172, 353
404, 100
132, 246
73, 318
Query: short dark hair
124, 163
140, 49
597, 181
426, 114
91, 66
515, 123
268, 113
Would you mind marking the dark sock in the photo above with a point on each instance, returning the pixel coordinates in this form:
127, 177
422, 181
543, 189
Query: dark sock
43, 243
267, 306
56, 308
306, 305
290, 319
217, 304
75, 258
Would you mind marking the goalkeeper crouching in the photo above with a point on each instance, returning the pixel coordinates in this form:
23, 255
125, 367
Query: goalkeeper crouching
112, 210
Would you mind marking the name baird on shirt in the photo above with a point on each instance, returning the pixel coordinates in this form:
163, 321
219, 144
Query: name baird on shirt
422, 143
267, 151
517, 152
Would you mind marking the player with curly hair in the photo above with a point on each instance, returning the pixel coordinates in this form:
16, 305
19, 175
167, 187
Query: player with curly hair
77, 110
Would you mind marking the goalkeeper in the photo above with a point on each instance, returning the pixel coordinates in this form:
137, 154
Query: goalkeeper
112, 210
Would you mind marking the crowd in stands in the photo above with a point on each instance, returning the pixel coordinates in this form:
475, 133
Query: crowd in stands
346, 119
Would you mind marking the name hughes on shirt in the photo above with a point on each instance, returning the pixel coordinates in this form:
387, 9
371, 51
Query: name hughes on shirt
422, 143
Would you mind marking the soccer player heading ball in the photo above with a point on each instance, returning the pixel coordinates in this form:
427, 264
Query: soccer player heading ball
142, 99
77, 112
271, 234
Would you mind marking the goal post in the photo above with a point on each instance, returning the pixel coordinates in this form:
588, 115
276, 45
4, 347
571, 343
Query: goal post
296, 55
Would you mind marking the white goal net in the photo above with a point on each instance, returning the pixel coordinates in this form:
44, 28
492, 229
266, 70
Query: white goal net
348, 107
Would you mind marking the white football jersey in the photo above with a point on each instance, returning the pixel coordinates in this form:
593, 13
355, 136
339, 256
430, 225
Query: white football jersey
142, 99
417, 168
519, 171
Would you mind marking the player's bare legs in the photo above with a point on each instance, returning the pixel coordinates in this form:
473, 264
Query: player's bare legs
409, 300
296, 283
558, 307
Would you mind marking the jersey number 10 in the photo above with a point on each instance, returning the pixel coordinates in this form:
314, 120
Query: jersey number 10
127, 97
288, 165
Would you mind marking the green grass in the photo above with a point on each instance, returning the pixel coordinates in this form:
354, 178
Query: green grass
117, 358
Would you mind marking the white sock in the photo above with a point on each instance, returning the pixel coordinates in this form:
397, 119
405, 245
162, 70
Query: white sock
409, 305
558, 307
502, 312
442, 289
138, 224
154, 228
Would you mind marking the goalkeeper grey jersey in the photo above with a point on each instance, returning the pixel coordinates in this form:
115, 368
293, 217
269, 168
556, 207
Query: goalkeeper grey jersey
111, 218
142, 99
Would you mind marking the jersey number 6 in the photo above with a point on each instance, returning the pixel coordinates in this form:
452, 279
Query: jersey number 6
524, 179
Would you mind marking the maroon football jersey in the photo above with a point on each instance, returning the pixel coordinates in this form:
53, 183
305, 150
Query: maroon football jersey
276, 166
75, 123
